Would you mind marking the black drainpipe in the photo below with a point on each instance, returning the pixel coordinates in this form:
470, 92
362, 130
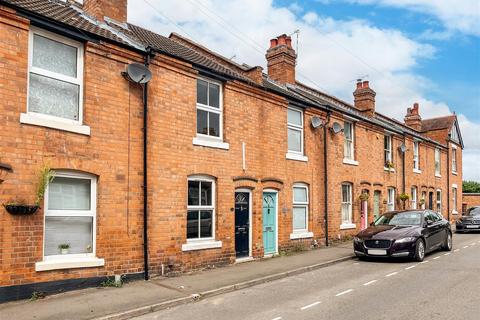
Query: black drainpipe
148, 54
325, 178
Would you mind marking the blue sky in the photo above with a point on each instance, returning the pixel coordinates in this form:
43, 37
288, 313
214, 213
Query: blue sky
455, 67
425, 51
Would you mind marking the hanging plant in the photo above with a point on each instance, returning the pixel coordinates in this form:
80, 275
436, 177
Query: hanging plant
421, 202
21, 207
404, 197
364, 196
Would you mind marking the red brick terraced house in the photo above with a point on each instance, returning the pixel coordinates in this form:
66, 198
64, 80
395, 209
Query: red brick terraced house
216, 162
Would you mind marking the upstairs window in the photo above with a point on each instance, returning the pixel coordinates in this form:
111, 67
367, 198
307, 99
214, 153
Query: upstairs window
209, 109
416, 155
346, 203
201, 208
391, 199
388, 155
454, 160
55, 79
348, 147
437, 162
295, 130
300, 208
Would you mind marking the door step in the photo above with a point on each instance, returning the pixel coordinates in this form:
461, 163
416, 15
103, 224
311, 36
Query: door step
244, 259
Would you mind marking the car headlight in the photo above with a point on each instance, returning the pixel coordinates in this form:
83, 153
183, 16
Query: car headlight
357, 239
406, 239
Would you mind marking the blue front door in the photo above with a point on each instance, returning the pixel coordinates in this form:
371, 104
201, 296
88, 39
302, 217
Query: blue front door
269, 222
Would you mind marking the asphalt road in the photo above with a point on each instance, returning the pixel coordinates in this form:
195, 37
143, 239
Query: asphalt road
444, 286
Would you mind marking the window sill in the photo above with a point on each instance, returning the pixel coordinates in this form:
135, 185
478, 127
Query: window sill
350, 162
389, 169
348, 226
200, 245
27, 118
301, 235
295, 156
417, 171
454, 173
454, 212
438, 175
209, 143
69, 263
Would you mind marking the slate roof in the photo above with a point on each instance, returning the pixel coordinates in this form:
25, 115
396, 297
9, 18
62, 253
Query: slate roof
139, 38
438, 123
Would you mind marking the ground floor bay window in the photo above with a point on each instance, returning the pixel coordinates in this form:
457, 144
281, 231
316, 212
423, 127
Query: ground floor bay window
70, 222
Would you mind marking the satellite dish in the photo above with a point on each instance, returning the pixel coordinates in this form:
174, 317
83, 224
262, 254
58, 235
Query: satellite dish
137, 73
402, 148
316, 122
336, 128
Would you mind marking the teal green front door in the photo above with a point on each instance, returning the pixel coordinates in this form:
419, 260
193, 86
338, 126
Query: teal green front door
269, 222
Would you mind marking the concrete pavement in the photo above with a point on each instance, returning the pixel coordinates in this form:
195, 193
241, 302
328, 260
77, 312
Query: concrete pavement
445, 286
142, 297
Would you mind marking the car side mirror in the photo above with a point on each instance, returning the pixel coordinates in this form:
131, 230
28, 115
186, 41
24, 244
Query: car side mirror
429, 222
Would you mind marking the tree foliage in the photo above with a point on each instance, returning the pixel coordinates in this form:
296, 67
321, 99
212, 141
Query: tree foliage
471, 187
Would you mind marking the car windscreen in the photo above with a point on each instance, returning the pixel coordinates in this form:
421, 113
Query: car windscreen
408, 218
474, 211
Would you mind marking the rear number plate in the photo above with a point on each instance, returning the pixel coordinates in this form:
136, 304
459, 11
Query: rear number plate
377, 252
472, 227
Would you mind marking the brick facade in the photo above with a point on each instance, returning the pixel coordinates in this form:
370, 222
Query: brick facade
470, 200
254, 127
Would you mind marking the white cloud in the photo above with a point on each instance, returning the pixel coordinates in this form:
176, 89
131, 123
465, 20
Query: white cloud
463, 16
333, 53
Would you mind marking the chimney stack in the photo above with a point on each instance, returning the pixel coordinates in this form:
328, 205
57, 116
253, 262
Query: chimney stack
281, 60
413, 119
364, 98
113, 9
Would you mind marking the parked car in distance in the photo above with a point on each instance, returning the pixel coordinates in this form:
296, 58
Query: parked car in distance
409, 234
470, 221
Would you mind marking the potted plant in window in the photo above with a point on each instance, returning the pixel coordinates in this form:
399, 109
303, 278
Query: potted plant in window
21, 207
404, 197
64, 248
389, 166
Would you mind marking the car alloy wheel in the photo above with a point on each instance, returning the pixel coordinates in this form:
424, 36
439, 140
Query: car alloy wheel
448, 242
419, 250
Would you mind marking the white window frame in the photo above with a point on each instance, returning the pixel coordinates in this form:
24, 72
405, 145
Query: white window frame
438, 201
51, 121
454, 198
438, 165
298, 204
424, 197
454, 160
349, 157
207, 242
416, 156
204, 139
388, 152
52, 262
292, 154
391, 199
414, 193
347, 206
